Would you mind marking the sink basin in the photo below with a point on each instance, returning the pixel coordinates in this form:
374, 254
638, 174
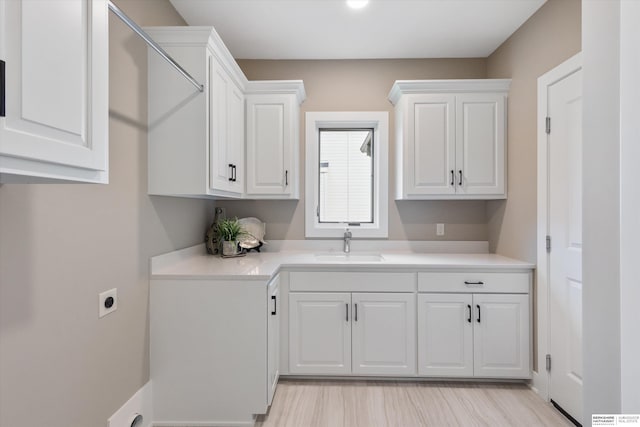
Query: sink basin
349, 257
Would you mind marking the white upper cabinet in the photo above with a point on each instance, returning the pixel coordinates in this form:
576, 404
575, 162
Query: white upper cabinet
55, 121
198, 141
226, 114
450, 139
273, 139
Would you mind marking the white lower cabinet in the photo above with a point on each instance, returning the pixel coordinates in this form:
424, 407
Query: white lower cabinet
273, 338
214, 350
383, 334
342, 333
473, 335
319, 333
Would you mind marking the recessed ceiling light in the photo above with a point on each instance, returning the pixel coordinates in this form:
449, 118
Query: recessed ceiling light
357, 4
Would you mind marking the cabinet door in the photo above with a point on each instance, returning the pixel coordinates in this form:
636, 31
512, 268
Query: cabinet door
501, 336
56, 59
430, 155
271, 133
480, 147
221, 169
383, 333
273, 338
445, 335
235, 143
319, 333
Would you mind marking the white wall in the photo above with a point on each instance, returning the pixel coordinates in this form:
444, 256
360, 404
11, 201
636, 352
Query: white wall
62, 244
611, 206
630, 204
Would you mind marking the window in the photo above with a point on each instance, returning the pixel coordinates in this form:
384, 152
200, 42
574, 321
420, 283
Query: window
346, 174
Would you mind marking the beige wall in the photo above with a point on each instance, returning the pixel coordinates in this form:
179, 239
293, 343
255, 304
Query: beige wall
60, 245
548, 38
352, 85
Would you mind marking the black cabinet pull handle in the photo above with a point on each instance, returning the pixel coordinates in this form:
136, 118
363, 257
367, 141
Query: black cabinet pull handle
356, 313
235, 171
275, 305
460, 181
346, 305
469, 318
286, 178
3, 83
478, 312
230, 172
453, 177
479, 282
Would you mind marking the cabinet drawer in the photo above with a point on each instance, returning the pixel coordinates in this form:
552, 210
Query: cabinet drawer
474, 281
334, 281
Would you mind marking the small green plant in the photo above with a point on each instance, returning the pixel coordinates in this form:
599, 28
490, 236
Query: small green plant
229, 229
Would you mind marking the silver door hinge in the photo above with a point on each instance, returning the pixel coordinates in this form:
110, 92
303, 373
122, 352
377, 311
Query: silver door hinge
548, 243
548, 362
548, 125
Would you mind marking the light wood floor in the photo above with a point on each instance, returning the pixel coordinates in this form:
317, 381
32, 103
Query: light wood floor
307, 403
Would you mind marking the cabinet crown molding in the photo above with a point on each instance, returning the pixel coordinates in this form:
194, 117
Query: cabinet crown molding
269, 87
186, 36
404, 87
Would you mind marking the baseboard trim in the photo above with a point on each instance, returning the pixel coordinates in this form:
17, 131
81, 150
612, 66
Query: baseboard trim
139, 403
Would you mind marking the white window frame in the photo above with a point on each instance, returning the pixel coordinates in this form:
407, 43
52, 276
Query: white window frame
379, 122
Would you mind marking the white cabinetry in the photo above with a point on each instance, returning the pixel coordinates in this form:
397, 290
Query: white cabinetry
226, 114
354, 332
272, 139
214, 350
196, 139
198, 142
466, 328
450, 138
273, 339
55, 119
319, 333
383, 334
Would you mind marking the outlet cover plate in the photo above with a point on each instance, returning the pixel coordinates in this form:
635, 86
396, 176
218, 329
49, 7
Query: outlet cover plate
439, 229
102, 297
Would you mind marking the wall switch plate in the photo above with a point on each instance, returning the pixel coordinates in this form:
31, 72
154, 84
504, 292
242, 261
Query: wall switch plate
107, 302
439, 229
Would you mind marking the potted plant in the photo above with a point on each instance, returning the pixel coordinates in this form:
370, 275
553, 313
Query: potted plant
229, 229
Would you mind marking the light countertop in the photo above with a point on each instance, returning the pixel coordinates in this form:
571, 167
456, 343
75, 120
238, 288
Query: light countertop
194, 263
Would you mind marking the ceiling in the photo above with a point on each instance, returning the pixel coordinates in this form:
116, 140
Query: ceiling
328, 29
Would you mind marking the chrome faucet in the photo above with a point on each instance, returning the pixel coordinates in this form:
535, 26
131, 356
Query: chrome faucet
347, 241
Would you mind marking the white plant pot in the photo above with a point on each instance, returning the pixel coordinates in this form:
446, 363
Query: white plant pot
229, 248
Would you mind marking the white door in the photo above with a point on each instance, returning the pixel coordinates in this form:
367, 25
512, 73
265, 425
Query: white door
235, 143
221, 170
480, 147
565, 229
430, 161
319, 333
383, 333
269, 144
56, 59
273, 337
501, 336
445, 335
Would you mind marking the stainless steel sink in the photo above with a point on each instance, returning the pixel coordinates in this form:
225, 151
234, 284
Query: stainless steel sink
349, 257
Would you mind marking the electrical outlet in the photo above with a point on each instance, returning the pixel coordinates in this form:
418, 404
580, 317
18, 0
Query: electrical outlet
439, 229
107, 302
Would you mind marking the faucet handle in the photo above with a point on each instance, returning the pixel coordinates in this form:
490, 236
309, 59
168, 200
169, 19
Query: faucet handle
347, 234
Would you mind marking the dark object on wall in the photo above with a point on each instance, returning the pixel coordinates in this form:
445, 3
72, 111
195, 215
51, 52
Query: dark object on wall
2, 89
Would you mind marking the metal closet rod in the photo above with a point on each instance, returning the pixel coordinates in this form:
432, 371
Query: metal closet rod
139, 31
